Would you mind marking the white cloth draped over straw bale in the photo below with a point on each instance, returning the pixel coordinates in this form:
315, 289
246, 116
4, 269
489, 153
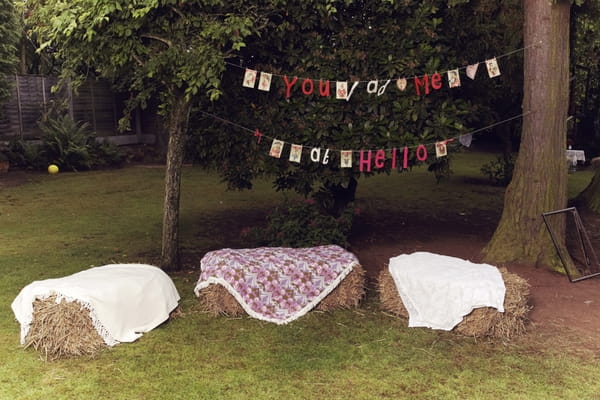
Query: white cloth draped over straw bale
123, 300
277, 284
438, 291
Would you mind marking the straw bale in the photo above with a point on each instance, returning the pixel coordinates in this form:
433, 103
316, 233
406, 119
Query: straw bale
481, 322
348, 293
215, 299
62, 330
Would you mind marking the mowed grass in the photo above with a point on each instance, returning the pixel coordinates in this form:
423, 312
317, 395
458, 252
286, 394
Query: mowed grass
57, 225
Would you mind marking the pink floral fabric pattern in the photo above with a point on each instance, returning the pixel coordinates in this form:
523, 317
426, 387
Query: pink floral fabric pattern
277, 284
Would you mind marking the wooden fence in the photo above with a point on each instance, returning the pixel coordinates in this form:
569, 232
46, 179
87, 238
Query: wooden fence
94, 102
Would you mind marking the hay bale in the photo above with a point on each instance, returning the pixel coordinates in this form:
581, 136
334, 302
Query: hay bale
62, 330
481, 322
348, 293
215, 299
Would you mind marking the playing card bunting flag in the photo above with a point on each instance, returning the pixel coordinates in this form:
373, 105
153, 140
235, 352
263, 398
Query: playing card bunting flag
492, 67
453, 78
264, 83
276, 148
249, 78
296, 153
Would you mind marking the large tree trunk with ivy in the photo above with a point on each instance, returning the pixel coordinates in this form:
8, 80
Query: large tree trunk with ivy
590, 197
539, 181
177, 129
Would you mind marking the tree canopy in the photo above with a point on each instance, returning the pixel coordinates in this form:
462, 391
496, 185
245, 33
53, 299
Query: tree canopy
172, 51
150, 48
308, 48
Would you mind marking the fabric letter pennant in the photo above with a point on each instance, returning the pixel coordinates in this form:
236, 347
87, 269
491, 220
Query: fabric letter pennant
453, 78
276, 148
315, 154
249, 78
465, 140
346, 159
258, 136
264, 83
401, 84
372, 87
295, 153
492, 67
472, 70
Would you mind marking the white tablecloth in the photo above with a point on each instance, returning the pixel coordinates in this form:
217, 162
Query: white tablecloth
438, 291
575, 155
124, 300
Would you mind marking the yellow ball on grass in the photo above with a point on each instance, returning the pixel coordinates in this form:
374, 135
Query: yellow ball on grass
52, 169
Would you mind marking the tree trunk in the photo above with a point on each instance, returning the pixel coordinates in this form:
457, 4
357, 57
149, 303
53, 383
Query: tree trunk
342, 196
539, 181
590, 197
177, 127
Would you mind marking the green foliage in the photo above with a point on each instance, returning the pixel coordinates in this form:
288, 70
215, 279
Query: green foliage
500, 170
302, 224
152, 48
390, 40
585, 85
106, 154
9, 32
440, 168
24, 154
70, 145
67, 143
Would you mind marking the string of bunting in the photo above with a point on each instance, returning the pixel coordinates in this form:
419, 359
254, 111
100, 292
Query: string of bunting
344, 89
367, 159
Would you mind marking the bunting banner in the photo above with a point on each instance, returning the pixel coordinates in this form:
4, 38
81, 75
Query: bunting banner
367, 160
423, 85
344, 89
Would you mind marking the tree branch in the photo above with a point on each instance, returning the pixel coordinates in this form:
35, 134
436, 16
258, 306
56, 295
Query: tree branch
158, 38
138, 60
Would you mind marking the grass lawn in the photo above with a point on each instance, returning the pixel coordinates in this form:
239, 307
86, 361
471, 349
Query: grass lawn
57, 225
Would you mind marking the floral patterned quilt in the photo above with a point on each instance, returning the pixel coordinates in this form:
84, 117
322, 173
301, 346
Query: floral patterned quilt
277, 284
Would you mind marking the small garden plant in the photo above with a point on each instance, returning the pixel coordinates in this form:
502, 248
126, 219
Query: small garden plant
67, 143
302, 224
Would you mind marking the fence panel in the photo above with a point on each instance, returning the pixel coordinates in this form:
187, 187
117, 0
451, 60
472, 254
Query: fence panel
94, 102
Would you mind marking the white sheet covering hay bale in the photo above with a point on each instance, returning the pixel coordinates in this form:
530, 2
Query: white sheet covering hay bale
482, 321
83, 313
278, 284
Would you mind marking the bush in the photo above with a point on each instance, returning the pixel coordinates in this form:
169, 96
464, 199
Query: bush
106, 154
25, 155
67, 143
301, 224
70, 145
500, 170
